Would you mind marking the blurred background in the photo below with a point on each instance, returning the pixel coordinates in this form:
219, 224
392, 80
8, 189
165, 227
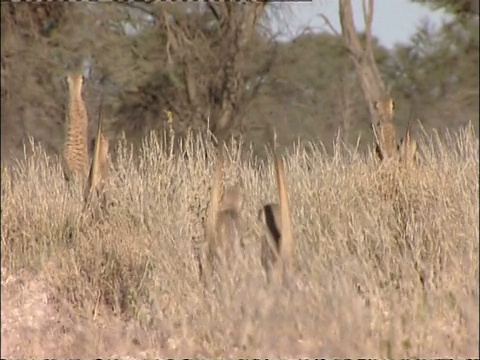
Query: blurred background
233, 68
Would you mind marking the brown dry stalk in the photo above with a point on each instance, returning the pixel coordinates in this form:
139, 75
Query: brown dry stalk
287, 244
408, 146
99, 164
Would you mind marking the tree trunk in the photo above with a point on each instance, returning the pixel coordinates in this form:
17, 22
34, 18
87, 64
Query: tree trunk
372, 84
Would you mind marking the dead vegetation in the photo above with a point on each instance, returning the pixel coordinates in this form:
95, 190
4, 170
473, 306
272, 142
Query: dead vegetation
94, 194
224, 225
277, 240
371, 279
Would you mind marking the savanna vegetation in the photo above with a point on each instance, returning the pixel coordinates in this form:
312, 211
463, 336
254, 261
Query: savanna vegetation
368, 282
373, 276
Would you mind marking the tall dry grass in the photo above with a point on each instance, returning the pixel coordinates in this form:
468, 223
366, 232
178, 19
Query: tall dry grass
369, 282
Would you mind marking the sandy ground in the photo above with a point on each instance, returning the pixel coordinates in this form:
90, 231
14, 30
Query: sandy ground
35, 325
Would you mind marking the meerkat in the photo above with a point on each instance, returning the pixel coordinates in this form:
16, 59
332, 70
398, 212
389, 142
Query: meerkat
75, 152
386, 146
99, 165
278, 241
223, 226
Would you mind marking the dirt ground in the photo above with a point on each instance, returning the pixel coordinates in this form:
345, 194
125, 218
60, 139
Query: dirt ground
35, 325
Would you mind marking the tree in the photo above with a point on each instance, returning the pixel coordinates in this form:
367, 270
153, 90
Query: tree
226, 94
202, 62
457, 7
438, 71
362, 55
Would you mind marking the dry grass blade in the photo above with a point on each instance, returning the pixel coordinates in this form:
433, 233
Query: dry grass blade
408, 146
94, 189
277, 241
287, 244
213, 211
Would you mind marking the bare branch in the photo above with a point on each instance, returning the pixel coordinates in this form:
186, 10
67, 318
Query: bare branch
169, 39
329, 24
368, 18
350, 36
372, 84
190, 84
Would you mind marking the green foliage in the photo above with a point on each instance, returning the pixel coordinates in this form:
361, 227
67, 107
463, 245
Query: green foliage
438, 72
457, 7
302, 92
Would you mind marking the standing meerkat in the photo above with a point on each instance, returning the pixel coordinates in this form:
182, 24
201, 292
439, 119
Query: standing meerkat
386, 138
75, 152
278, 242
99, 165
223, 226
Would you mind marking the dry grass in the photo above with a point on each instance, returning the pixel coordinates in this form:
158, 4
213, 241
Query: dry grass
369, 282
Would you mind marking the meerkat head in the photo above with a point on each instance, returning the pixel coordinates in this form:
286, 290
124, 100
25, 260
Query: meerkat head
385, 109
75, 82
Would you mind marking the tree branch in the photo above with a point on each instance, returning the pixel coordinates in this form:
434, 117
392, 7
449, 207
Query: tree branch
329, 24
368, 18
349, 33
